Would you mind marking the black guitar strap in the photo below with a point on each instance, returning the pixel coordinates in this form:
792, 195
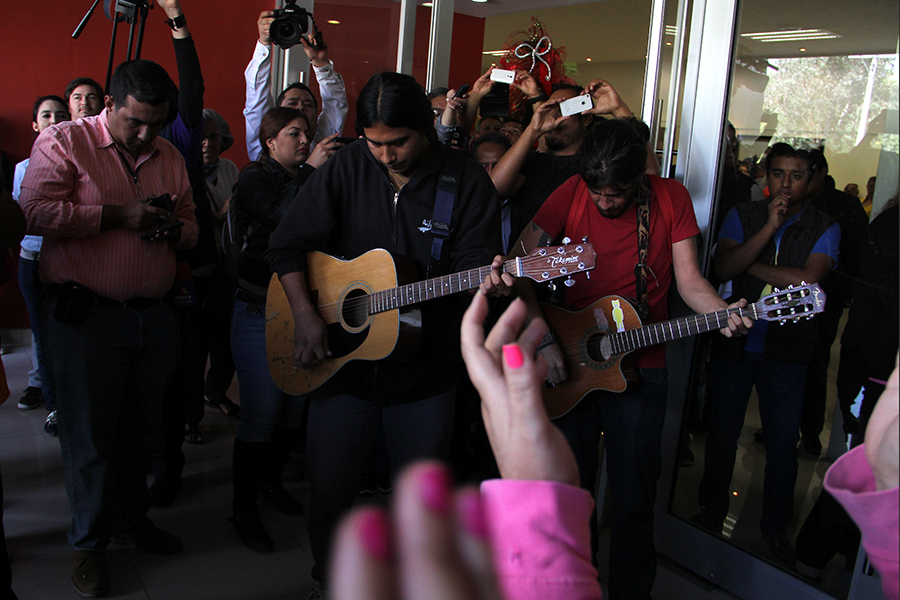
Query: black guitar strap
447, 188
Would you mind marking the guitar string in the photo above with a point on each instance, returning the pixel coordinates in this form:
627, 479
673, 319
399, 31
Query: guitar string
509, 266
760, 306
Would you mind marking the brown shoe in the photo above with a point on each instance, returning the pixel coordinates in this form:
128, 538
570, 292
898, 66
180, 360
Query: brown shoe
89, 574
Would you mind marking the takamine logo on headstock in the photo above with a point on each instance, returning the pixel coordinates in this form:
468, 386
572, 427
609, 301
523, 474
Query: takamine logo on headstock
548, 263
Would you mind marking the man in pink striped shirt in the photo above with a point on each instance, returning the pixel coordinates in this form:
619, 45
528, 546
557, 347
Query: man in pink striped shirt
112, 341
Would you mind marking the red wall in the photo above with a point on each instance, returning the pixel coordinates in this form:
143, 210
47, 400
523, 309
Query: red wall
40, 57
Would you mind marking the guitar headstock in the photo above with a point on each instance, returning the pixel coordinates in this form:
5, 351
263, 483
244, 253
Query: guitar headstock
794, 303
551, 262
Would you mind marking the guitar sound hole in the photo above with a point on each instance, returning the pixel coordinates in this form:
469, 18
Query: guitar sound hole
354, 310
593, 347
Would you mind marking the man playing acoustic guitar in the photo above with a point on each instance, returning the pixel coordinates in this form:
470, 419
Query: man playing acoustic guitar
381, 192
603, 204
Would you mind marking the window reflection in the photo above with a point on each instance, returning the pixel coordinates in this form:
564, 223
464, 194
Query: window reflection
830, 85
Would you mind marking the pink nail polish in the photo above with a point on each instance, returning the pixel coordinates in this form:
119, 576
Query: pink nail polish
435, 487
471, 512
375, 534
512, 354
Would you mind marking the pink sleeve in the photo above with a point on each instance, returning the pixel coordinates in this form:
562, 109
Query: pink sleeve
48, 189
851, 481
540, 532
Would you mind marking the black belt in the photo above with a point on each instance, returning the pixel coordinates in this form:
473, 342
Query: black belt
249, 298
56, 289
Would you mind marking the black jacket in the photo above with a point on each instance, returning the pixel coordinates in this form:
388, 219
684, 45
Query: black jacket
261, 197
349, 207
849, 213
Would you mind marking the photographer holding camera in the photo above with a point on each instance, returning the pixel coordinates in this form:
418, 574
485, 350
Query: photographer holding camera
329, 123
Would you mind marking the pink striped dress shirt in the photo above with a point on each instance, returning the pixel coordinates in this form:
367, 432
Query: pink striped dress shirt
75, 170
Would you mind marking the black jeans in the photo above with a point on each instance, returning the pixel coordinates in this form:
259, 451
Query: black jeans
632, 425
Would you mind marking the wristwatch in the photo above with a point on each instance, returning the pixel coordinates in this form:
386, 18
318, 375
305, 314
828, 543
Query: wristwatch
176, 23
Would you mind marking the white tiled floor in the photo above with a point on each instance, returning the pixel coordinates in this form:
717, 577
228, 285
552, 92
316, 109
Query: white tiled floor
213, 565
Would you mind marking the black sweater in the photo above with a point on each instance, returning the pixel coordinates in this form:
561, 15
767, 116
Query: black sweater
348, 208
261, 197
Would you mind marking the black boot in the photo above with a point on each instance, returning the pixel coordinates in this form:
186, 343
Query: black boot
272, 486
247, 461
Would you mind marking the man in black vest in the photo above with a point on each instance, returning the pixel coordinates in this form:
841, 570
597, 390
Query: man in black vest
779, 242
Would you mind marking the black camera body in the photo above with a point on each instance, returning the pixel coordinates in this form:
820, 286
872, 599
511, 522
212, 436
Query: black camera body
291, 23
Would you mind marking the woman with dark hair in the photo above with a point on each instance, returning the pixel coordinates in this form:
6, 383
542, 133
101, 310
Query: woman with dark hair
47, 111
269, 418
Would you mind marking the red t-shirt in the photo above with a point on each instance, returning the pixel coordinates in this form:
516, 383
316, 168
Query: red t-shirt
615, 241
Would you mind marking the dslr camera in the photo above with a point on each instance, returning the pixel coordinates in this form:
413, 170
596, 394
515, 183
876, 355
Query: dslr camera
291, 23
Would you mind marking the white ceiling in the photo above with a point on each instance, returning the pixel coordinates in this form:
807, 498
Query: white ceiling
586, 27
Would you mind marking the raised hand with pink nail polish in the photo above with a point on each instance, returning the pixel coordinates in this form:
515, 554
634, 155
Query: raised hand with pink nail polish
509, 381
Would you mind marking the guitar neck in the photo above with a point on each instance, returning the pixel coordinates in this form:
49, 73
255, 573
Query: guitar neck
438, 287
674, 329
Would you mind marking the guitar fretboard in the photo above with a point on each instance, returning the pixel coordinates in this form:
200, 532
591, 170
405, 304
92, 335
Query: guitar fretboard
657, 333
421, 291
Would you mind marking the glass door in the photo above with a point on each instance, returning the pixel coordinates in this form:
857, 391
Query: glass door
822, 76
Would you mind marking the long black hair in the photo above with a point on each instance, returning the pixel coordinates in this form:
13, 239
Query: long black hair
393, 100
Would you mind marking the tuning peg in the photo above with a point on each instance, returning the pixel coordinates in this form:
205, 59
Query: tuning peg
584, 239
561, 250
579, 249
569, 282
566, 240
545, 275
552, 286
542, 252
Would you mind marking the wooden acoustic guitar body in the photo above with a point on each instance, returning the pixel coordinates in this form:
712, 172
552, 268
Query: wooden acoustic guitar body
338, 289
579, 334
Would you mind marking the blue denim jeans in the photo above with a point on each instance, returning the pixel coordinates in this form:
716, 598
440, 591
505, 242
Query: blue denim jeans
779, 387
263, 406
33, 293
340, 439
632, 425
111, 371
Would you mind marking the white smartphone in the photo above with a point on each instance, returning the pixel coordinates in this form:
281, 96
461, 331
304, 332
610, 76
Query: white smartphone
503, 75
576, 105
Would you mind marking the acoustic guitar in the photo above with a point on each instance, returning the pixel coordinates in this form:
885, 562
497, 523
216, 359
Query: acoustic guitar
597, 341
367, 308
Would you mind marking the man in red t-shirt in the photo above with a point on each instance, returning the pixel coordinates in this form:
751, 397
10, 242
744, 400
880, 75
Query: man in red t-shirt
601, 204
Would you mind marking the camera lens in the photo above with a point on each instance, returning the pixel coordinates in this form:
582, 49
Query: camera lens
288, 26
286, 34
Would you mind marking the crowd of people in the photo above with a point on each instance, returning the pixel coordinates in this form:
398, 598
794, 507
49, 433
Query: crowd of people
149, 257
